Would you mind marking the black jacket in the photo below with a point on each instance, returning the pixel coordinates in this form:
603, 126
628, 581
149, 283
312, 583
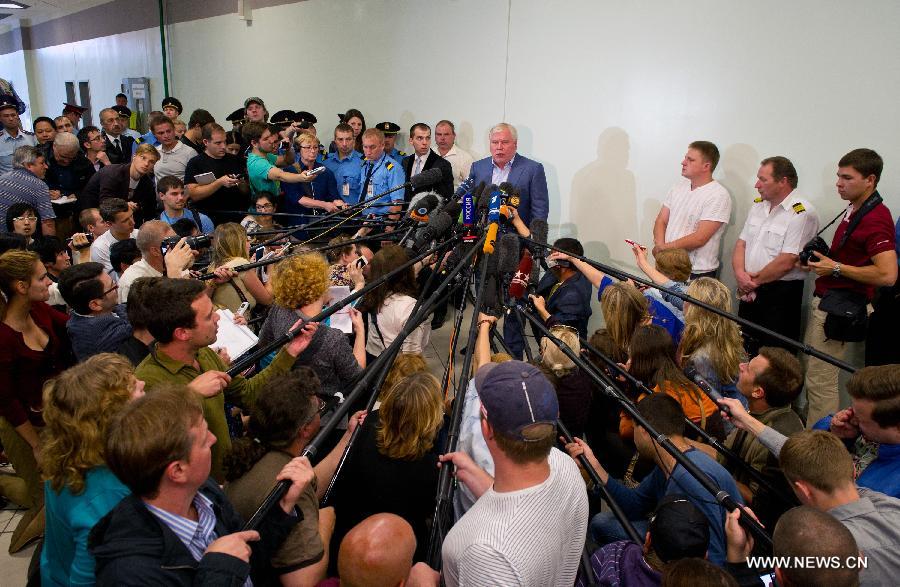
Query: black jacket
570, 304
70, 179
113, 181
122, 155
132, 547
444, 187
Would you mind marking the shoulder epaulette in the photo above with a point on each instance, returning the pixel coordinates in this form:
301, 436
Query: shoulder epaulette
390, 166
25, 132
798, 208
757, 200
402, 154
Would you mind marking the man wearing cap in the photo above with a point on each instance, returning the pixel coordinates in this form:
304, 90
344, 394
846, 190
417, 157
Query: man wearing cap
171, 107
380, 173
119, 147
460, 159
424, 158
677, 530
346, 164
11, 136
528, 524
125, 116
173, 154
390, 130
665, 415
193, 136
255, 110
506, 165
73, 112
264, 162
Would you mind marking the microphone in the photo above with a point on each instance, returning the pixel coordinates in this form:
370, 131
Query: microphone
520, 279
422, 205
494, 205
508, 254
491, 239
492, 303
437, 226
705, 387
539, 231
426, 178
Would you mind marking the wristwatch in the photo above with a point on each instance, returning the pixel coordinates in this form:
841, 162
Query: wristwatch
836, 270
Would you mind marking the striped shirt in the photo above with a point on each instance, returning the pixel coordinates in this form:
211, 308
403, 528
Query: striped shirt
20, 185
196, 536
533, 536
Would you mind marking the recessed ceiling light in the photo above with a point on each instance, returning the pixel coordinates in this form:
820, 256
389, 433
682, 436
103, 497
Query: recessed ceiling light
13, 5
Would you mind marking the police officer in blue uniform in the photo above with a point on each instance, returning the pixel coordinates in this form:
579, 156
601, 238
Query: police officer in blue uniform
380, 172
346, 164
390, 130
11, 136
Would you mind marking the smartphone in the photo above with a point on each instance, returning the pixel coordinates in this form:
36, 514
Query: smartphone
316, 171
634, 244
242, 308
361, 262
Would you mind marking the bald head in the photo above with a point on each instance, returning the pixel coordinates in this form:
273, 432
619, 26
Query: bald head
377, 552
806, 532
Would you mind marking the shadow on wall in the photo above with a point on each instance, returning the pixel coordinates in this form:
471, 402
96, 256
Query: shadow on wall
737, 172
604, 202
525, 147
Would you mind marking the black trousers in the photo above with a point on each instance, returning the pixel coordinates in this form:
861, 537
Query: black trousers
776, 307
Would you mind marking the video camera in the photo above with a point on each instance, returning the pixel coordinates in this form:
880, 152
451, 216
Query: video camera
197, 243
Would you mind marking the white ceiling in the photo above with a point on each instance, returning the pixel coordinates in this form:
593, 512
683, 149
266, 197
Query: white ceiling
43, 10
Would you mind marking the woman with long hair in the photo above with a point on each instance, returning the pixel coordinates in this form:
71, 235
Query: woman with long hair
392, 466
573, 387
300, 290
80, 489
390, 304
624, 309
35, 348
357, 122
652, 361
231, 248
712, 344
282, 422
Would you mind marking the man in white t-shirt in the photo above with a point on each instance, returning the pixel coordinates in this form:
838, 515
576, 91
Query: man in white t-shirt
120, 217
695, 212
173, 154
528, 524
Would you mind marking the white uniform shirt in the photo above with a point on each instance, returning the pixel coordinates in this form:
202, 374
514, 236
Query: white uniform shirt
173, 162
688, 208
460, 162
784, 228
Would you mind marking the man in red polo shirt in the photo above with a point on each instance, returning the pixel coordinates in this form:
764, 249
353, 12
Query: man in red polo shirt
859, 263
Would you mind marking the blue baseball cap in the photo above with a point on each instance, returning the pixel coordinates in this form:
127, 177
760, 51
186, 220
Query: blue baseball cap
518, 399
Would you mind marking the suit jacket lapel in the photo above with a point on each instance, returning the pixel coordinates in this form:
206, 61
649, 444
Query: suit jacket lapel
516, 171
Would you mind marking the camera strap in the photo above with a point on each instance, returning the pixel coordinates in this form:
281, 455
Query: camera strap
869, 205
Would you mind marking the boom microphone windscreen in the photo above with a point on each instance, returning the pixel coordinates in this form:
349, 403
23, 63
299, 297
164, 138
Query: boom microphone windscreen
508, 254
426, 178
422, 205
519, 283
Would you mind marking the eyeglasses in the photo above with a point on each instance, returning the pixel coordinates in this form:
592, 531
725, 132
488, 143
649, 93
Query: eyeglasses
265, 207
25, 219
110, 290
313, 147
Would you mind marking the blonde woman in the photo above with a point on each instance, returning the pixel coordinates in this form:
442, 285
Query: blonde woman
300, 290
573, 386
624, 309
393, 464
231, 248
711, 343
80, 489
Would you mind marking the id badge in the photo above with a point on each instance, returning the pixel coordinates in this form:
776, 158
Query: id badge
346, 190
370, 191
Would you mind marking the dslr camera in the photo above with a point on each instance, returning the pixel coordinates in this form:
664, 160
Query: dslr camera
197, 243
811, 250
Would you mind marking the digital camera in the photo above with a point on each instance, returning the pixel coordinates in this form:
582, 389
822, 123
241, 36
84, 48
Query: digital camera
197, 243
811, 250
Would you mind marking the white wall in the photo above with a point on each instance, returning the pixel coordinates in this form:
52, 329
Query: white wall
12, 69
103, 61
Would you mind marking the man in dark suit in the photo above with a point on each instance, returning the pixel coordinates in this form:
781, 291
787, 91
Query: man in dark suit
424, 158
526, 175
119, 147
505, 164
